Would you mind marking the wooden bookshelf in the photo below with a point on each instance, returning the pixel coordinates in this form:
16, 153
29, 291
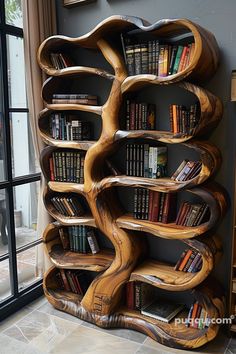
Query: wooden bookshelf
102, 303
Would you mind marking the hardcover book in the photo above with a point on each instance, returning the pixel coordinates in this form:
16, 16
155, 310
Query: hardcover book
162, 310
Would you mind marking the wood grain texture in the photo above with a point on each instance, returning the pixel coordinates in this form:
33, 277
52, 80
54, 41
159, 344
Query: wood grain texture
102, 301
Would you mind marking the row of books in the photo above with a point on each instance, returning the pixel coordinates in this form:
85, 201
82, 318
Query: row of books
154, 206
67, 166
153, 57
187, 170
147, 161
60, 60
65, 127
74, 98
75, 281
162, 207
68, 206
190, 261
197, 317
79, 239
191, 214
139, 297
140, 115
182, 119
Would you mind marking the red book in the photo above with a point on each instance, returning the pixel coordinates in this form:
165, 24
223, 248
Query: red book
156, 206
130, 295
169, 209
150, 205
65, 281
51, 167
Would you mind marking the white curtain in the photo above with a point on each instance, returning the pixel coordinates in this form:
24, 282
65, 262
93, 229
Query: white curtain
39, 22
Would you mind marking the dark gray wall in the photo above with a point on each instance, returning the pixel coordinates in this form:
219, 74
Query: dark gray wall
219, 18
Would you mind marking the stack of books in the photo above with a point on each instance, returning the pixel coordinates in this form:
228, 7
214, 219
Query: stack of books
192, 214
140, 115
190, 261
187, 170
64, 127
68, 206
143, 160
75, 281
79, 239
154, 57
154, 206
162, 310
183, 120
67, 166
138, 295
197, 317
74, 98
60, 61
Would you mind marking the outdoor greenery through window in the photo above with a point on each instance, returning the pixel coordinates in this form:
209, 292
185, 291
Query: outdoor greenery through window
19, 168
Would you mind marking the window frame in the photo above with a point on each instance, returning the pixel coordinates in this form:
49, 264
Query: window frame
10, 182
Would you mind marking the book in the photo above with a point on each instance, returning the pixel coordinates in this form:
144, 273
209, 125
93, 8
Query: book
92, 240
162, 310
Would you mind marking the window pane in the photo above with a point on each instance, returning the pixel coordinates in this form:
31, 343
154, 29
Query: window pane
5, 286
23, 154
13, 13
16, 72
3, 223
27, 267
25, 212
2, 153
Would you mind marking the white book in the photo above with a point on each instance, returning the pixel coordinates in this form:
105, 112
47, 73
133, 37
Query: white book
92, 240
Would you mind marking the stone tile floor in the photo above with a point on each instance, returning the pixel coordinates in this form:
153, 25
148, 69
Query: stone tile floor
39, 329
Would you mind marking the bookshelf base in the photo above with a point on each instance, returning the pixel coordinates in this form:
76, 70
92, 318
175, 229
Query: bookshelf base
176, 335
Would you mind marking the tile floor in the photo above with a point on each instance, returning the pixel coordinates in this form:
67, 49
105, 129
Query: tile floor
39, 329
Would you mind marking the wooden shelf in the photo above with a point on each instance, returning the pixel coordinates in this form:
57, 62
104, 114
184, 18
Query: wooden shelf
72, 260
170, 231
162, 276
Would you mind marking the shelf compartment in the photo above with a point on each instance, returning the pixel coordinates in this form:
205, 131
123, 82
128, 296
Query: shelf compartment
209, 156
43, 124
170, 334
85, 219
73, 260
46, 153
204, 61
211, 110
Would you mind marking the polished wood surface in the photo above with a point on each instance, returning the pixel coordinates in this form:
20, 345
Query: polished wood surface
102, 302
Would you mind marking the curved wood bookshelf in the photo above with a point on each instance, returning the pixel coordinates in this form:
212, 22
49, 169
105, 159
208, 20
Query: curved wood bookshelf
102, 301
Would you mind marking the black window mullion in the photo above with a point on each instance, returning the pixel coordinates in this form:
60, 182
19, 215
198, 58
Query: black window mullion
8, 171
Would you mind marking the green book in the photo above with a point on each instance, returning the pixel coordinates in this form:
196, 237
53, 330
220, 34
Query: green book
177, 59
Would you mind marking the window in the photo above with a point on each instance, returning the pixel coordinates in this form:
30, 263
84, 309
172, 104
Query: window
19, 169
